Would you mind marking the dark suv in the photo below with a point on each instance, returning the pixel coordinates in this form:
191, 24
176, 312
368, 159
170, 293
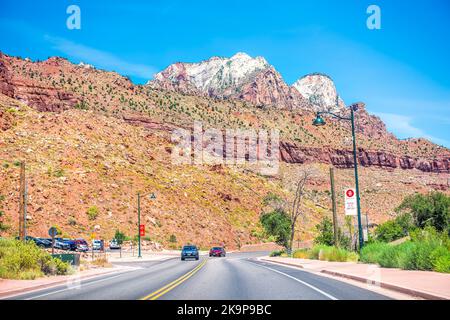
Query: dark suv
189, 252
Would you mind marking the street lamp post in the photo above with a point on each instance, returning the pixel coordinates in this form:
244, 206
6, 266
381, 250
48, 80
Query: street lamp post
319, 121
139, 223
152, 196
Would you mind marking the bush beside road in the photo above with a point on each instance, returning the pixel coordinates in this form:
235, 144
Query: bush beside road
25, 260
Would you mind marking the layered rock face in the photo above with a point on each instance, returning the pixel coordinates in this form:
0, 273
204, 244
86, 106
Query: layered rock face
293, 153
238, 77
43, 98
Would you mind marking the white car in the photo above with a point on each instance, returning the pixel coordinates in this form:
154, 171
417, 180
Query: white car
97, 245
113, 244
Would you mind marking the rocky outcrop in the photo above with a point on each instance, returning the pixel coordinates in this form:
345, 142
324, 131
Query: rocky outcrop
320, 91
28, 91
239, 77
44, 98
6, 86
292, 153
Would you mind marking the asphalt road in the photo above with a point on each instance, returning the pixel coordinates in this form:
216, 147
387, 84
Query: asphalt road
237, 276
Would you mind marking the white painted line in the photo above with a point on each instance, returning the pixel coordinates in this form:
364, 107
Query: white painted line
83, 285
300, 281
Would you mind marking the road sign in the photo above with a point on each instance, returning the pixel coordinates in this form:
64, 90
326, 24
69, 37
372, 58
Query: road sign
142, 230
52, 232
350, 202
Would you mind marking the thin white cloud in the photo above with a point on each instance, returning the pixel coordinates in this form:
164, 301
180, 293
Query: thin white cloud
402, 126
101, 59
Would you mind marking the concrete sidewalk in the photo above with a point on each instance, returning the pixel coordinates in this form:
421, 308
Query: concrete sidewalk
423, 284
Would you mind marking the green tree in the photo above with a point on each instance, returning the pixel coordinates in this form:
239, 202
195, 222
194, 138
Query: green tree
172, 238
120, 237
277, 224
325, 229
432, 209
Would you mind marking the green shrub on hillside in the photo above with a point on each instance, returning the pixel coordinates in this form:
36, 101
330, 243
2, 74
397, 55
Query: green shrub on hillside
427, 250
432, 209
24, 260
393, 229
92, 212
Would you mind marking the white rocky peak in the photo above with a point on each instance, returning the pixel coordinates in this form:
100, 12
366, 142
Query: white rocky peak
216, 74
320, 90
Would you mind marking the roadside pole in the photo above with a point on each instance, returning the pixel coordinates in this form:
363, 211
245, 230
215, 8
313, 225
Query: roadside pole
21, 201
139, 224
333, 199
25, 199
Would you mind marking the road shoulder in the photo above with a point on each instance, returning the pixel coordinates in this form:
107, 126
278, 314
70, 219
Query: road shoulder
399, 284
10, 288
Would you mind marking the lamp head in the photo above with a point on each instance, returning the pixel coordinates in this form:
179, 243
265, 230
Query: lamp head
318, 121
357, 105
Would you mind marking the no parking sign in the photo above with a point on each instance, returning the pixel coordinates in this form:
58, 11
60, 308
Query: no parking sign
350, 202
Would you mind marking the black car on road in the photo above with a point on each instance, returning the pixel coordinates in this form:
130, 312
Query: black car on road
189, 252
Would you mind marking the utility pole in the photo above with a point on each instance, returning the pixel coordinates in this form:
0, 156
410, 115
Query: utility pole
22, 202
333, 199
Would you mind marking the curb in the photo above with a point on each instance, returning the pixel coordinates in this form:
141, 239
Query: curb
14, 292
285, 263
412, 292
400, 289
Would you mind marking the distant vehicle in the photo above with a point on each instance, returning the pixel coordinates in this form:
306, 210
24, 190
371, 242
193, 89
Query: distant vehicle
82, 245
59, 244
189, 252
217, 252
113, 244
43, 243
72, 244
97, 245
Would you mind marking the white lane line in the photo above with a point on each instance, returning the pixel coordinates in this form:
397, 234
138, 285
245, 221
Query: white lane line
298, 280
82, 285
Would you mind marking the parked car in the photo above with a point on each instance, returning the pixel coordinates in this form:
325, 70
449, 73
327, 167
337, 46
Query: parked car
113, 244
72, 244
189, 252
81, 245
97, 245
217, 252
43, 243
59, 244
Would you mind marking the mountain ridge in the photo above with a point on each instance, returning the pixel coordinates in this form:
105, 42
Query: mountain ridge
246, 78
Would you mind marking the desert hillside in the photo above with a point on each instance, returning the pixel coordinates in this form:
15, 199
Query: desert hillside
91, 140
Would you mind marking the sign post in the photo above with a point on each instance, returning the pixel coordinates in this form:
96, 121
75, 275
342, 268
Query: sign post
52, 232
350, 202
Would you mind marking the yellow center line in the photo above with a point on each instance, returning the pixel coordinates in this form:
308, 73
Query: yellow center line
158, 293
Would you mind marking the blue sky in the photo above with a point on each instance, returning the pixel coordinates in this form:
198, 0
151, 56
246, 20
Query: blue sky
401, 71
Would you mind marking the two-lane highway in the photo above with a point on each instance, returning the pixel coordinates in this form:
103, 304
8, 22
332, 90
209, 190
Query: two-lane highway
237, 276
